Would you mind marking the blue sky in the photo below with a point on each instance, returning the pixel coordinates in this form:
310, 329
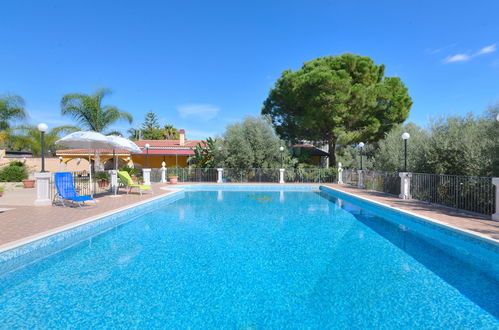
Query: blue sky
201, 65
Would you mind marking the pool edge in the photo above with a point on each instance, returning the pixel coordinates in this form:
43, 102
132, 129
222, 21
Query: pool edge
5, 248
438, 223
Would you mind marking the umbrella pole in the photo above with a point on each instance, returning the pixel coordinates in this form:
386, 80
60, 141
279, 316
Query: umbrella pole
90, 175
116, 169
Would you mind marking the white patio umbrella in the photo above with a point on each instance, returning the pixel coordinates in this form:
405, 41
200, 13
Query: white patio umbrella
123, 143
87, 140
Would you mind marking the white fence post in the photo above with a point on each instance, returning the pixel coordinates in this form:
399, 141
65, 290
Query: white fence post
146, 172
281, 175
163, 174
340, 174
220, 175
495, 216
405, 185
114, 179
43, 188
361, 179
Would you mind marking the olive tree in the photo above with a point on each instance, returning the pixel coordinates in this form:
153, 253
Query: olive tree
251, 143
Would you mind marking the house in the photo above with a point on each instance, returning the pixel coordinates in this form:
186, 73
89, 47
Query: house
175, 153
307, 153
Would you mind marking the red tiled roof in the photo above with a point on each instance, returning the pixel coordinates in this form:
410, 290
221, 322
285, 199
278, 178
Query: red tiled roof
87, 151
157, 147
179, 152
167, 143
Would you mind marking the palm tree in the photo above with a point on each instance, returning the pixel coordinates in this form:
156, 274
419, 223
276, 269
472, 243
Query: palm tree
29, 138
171, 133
205, 155
11, 108
89, 112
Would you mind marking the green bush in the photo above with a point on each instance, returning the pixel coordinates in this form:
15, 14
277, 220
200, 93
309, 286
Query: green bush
102, 176
14, 172
17, 163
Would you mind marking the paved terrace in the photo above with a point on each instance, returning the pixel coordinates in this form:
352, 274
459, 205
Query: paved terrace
21, 223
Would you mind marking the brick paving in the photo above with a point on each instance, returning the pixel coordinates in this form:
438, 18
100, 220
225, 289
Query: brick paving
22, 223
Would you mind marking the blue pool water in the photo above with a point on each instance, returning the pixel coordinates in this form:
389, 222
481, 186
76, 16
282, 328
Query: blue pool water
258, 259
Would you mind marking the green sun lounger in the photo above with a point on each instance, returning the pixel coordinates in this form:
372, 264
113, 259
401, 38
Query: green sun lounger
128, 182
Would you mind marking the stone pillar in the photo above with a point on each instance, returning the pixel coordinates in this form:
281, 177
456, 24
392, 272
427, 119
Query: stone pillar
281, 175
361, 179
163, 174
114, 179
495, 216
220, 175
340, 174
405, 185
146, 172
43, 188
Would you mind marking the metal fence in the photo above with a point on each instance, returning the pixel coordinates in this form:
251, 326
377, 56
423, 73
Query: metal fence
271, 175
251, 175
186, 174
310, 175
351, 177
248, 175
470, 193
387, 182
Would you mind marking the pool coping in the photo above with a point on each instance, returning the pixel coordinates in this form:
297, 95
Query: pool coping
442, 224
42, 235
45, 234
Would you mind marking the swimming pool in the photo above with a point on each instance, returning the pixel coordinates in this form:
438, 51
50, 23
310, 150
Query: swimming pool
253, 257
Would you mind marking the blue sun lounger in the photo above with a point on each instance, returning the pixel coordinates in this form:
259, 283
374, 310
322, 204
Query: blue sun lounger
66, 190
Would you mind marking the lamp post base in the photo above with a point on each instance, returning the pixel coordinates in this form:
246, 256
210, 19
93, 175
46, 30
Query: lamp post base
43, 189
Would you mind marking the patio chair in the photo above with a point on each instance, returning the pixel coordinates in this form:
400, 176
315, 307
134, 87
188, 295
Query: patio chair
66, 190
127, 181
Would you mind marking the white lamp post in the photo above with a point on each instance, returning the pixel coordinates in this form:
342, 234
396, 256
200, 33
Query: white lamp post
405, 137
361, 146
361, 171
281, 149
147, 154
42, 127
43, 178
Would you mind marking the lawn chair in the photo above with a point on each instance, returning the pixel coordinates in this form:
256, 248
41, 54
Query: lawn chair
128, 182
66, 190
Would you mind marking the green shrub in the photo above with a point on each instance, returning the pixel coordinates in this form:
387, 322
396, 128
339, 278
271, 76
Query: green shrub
17, 163
102, 176
14, 172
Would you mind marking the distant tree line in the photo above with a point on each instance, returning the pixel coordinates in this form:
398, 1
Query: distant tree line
152, 130
460, 145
